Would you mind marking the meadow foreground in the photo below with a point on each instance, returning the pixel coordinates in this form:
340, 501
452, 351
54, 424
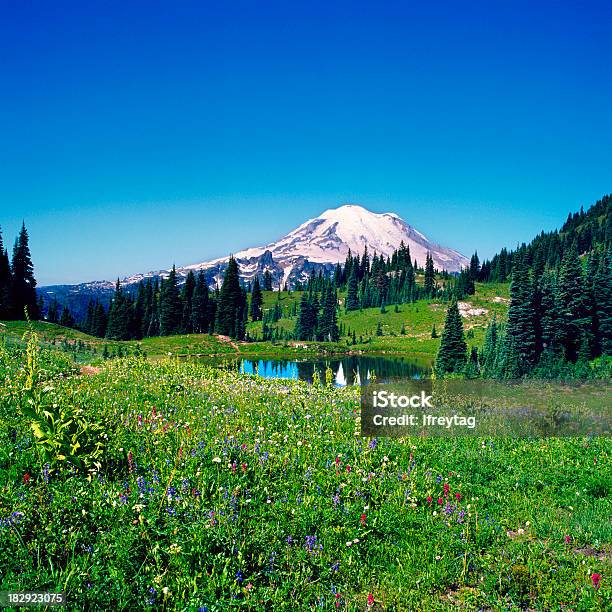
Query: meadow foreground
202, 489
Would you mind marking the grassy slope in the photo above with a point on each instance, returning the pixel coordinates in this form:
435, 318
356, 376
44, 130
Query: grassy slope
417, 318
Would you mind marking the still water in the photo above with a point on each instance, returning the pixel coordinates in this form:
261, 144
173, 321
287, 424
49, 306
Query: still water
351, 370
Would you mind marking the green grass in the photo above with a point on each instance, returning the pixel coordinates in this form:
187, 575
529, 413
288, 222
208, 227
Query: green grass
418, 319
232, 492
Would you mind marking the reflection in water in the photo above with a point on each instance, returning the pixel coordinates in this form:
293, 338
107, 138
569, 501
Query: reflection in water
351, 370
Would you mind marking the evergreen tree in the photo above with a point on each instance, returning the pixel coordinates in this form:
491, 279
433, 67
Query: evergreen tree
452, 351
490, 348
5, 283
352, 292
187, 300
256, 301
66, 319
328, 322
23, 288
267, 281
306, 324
117, 328
602, 297
232, 304
170, 306
200, 309
99, 321
520, 339
434, 333
52, 314
430, 283
573, 302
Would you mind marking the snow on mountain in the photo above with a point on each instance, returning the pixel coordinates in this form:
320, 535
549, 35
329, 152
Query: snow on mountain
317, 244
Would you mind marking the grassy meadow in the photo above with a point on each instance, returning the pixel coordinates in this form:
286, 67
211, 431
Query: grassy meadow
203, 489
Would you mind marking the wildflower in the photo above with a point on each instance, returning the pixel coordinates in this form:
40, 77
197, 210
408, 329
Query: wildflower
26, 478
289, 540
130, 462
429, 499
373, 443
311, 542
348, 468
440, 501
446, 489
46, 473
216, 460
363, 520
335, 567
239, 576
595, 579
568, 539
458, 496
370, 599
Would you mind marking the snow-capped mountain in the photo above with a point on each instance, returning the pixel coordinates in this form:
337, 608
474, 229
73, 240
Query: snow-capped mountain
317, 244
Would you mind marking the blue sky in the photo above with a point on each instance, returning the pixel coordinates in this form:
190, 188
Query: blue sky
139, 134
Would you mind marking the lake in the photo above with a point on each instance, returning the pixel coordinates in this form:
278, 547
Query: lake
349, 370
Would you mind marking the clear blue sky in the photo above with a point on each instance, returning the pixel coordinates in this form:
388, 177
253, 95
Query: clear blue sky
138, 134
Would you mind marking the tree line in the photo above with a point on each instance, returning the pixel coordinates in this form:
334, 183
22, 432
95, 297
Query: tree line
560, 313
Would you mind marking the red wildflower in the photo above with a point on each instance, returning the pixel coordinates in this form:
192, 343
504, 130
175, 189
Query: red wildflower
458, 496
363, 519
26, 478
244, 467
596, 579
568, 539
440, 501
337, 460
370, 599
348, 468
446, 489
130, 462
429, 499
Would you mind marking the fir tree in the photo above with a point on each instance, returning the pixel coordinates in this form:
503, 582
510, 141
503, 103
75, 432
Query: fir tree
520, 339
170, 306
434, 333
66, 319
430, 283
352, 292
232, 304
267, 281
23, 288
5, 283
452, 351
187, 300
256, 301
52, 314
200, 309
117, 328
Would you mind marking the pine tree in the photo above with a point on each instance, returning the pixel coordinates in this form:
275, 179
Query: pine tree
520, 351
170, 306
23, 294
379, 329
232, 304
267, 281
66, 319
200, 309
117, 328
352, 292
187, 300
52, 314
256, 301
99, 321
602, 297
328, 324
573, 302
434, 333
430, 283
452, 351
490, 348
5, 283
